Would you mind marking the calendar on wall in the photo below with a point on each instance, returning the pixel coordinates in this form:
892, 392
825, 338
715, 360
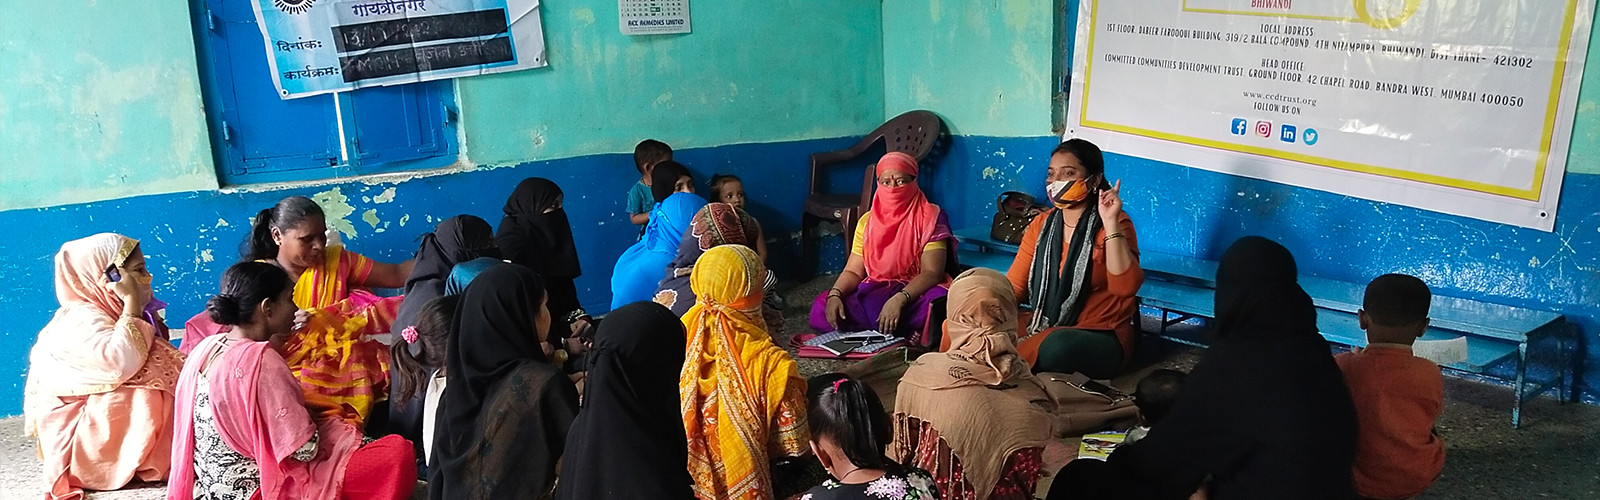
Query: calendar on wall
653, 17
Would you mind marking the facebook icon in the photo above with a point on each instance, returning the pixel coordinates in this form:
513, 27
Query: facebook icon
1240, 126
1287, 134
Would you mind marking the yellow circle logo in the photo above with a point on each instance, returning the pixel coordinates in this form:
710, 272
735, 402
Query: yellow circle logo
1364, 13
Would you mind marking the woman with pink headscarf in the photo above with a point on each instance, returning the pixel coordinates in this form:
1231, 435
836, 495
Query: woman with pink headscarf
897, 260
101, 376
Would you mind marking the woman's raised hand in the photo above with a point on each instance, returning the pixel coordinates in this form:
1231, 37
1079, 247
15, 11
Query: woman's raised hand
1111, 204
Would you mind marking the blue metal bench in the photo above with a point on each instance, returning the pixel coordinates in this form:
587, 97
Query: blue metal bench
978, 238
975, 249
1338, 327
1184, 287
1495, 333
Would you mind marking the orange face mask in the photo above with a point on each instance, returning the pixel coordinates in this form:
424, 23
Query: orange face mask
1067, 193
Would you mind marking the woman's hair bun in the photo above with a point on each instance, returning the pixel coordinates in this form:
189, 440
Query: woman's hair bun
224, 310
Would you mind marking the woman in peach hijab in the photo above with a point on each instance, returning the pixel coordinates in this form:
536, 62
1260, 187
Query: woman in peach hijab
975, 416
101, 376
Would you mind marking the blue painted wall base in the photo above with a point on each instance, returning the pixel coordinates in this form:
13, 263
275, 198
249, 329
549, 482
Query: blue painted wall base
191, 237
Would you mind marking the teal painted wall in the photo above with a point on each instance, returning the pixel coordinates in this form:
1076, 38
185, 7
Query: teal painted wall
98, 100
1585, 155
988, 67
765, 71
105, 108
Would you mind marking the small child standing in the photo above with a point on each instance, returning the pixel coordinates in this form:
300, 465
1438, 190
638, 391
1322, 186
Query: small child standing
727, 188
1397, 396
849, 430
1154, 396
645, 157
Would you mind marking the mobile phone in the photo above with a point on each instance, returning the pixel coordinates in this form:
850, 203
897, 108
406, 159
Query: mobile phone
112, 274
1100, 388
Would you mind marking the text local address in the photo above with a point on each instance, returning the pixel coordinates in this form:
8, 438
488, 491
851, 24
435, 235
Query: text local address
655, 22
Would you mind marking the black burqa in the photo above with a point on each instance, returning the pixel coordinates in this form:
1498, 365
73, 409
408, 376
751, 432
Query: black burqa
1265, 413
628, 442
503, 420
455, 240
542, 241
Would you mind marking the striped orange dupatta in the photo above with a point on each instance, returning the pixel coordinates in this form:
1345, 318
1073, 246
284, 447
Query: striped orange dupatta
334, 356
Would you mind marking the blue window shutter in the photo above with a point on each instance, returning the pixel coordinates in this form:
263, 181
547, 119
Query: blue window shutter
258, 132
399, 123
259, 137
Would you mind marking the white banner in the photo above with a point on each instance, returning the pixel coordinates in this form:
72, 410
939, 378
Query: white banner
1463, 107
321, 46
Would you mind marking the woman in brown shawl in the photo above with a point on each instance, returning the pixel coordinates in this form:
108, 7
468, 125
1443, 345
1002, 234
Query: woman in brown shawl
975, 416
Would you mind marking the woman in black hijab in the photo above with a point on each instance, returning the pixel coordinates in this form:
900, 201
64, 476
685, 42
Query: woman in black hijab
504, 417
626, 443
670, 177
536, 234
455, 240
1264, 414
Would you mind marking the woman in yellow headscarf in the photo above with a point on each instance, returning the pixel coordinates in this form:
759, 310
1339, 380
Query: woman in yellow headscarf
743, 399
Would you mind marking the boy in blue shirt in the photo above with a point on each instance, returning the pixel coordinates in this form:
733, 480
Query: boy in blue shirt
645, 157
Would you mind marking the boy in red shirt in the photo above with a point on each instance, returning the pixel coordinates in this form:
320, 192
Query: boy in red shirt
1397, 396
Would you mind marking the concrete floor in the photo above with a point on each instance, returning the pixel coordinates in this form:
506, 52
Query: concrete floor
1555, 455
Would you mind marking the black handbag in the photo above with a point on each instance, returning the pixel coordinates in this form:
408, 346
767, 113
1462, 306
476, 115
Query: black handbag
1013, 212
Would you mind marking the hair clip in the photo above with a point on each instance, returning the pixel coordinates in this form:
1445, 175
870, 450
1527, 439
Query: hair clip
410, 334
836, 383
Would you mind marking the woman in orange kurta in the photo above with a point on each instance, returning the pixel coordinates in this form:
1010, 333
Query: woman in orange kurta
1078, 265
100, 377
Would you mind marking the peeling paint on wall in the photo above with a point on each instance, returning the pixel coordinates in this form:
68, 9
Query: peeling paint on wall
336, 207
385, 197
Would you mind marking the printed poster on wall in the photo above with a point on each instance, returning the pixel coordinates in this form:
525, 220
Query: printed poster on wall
1463, 107
321, 46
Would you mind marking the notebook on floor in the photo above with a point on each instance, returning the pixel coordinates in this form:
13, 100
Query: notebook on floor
848, 345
